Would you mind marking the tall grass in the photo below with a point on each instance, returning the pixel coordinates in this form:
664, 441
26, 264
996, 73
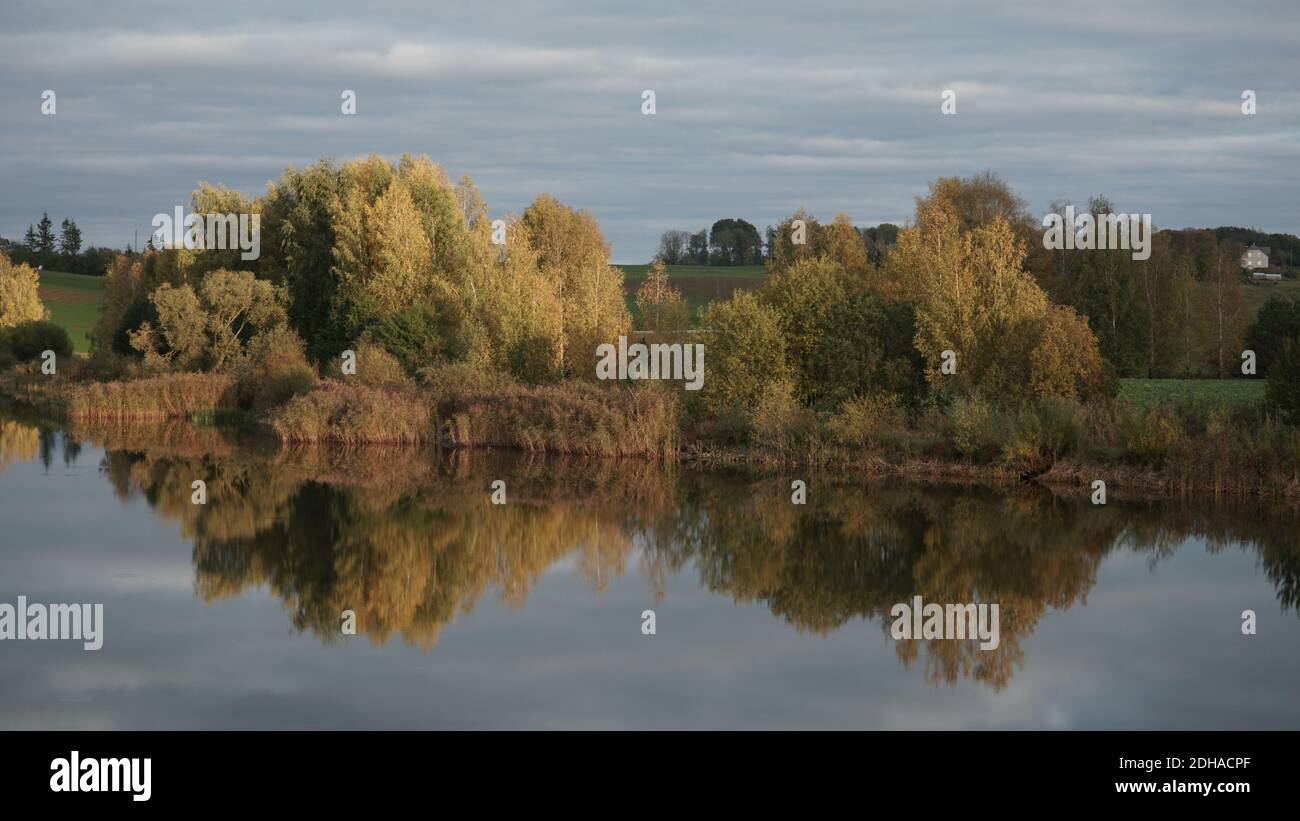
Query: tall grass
572, 417
354, 414
156, 397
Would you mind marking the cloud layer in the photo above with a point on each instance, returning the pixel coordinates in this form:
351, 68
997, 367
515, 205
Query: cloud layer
761, 107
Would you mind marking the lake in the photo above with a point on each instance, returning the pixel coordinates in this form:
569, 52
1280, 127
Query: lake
530, 614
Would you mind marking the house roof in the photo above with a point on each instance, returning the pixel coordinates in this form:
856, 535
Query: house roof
1262, 248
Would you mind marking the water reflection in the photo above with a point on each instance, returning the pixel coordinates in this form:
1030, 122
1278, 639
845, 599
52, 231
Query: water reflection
410, 540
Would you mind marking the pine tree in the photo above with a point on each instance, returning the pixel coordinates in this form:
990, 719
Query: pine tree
70, 240
45, 234
29, 239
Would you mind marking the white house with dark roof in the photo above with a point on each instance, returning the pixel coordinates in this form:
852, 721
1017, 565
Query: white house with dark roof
1255, 257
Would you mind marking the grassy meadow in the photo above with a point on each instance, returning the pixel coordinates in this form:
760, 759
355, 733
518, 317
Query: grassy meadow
73, 301
699, 284
1145, 393
1256, 295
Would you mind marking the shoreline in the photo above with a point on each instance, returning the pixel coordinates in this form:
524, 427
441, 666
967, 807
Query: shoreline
447, 432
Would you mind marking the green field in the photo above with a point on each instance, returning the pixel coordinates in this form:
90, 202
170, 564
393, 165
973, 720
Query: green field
73, 301
700, 284
1257, 295
1144, 393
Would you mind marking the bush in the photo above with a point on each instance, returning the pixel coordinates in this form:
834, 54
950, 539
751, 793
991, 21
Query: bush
376, 368
974, 428
273, 369
28, 340
780, 422
863, 420
447, 382
1153, 435
1043, 432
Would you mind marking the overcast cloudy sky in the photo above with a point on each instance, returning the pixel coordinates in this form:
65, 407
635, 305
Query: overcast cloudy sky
762, 106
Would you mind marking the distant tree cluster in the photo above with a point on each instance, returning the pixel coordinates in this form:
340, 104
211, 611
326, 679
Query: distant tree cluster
43, 247
737, 242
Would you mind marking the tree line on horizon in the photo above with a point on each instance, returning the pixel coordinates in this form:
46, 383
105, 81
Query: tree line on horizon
42, 247
733, 241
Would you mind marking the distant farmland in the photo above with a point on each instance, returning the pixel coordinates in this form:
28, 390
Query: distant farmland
73, 300
700, 284
1144, 393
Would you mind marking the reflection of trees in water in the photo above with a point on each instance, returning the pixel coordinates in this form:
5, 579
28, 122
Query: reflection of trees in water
408, 540
18, 443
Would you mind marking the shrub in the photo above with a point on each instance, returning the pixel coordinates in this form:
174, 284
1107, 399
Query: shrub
447, 382
780, 422
30, 339
273, 369
1043, 432
974, 428
376, 368
863, 420
1153, 435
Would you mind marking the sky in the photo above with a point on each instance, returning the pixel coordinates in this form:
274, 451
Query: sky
761, 107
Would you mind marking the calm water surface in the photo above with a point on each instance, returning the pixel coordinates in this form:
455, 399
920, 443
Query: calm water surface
528, 615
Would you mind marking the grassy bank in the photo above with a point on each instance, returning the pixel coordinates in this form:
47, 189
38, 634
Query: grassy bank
1183, 438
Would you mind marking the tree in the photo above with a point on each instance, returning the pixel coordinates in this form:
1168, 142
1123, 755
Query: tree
1224, 312
746, 354
1282, 392
788, 244
20, 299
70, 239
662, 307
209, 328
842, 243
571, 252
673, 247
1276, 326
45, 235
735, 242
839, 339
698, 248
974, 298
30, 239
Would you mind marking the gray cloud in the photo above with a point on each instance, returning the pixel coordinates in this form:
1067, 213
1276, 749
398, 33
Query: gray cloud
762, 107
